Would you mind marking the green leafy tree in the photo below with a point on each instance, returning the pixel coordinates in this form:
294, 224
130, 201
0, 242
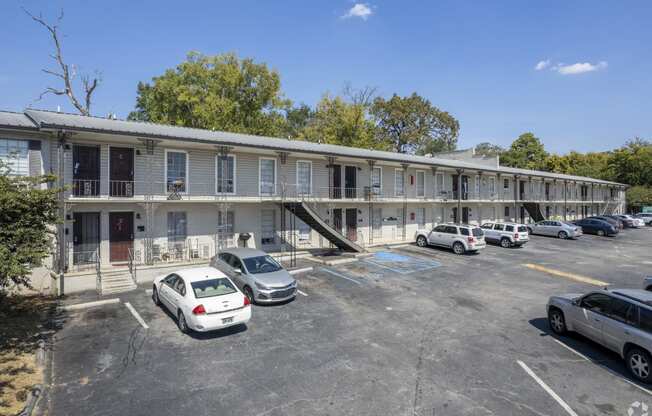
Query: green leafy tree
632, 163
593, 165
488, 149
297, 119
526, 152
27, 212
413, 125
639, 196
220, 92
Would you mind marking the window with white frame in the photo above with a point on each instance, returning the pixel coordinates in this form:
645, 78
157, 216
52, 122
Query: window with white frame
439, 184
267, 226
304, 177
377, 180
177, 229
377, 223
477, 186
304, 230
421, 218
267, 176
421, 184
176, 171
492, 185
14, 155
225, 174
225, 221
506, 184
399, 182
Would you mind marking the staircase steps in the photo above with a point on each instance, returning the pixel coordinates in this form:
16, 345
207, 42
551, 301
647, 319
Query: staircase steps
114, 282
534, 210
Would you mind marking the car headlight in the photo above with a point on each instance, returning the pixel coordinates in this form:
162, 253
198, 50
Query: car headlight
261, 286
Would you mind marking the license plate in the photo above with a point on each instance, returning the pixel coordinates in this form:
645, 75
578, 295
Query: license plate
227, 320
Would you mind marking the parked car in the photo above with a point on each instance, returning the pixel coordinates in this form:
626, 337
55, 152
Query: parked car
647, 283
201, 299
613, 221
461, 238
555, 228
630, 222
619, 319
506, 234
596, 226
645, 216
261, 278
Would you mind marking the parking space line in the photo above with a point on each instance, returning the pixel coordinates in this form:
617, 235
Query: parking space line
303, 270
548, 390
571, 276
334, 273
90, 304
301, 292
579, 354
383, 266
136, 315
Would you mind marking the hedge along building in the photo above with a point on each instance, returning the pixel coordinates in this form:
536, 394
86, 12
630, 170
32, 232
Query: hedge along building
143, 197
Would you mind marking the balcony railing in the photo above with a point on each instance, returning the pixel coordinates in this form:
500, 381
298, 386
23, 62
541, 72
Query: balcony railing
86, 188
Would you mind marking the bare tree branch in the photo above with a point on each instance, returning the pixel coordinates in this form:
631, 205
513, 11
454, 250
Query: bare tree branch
68, 72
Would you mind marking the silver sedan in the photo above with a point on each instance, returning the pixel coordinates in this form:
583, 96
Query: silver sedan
555, 228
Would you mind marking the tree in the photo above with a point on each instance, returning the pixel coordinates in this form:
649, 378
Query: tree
67, 73
592, 165
487, 149
632, 163
526, 152
639, 196
297, 119
413, 125
27, 212
219, 92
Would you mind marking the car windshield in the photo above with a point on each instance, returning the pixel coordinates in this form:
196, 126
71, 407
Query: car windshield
477, 232
262, 264
212, 287
522, 229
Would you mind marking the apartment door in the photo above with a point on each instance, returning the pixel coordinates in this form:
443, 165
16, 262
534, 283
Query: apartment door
121, 235
121, 171
86, 170
85, 237
465, 187
547, 191
521, 190
352, 224
522, 215
456, 179
465, 215
337, 219
455, 217
336, 191
350, 173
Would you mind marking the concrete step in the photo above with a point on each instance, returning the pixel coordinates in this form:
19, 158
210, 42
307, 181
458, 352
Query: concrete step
116, 278
121, 289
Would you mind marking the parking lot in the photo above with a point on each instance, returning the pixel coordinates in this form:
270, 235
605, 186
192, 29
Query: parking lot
407, 331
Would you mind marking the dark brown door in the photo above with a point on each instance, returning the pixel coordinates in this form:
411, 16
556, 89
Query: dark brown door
86, 170
456, 179
350, 173
337, 219
352, 224
121, 235
86, 237
337, 182
121, 175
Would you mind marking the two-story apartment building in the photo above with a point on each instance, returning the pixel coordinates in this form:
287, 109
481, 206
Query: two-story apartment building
146, 195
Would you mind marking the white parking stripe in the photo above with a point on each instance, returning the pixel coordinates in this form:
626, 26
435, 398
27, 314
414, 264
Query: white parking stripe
334, 273
548, 390
90, 304
136, 315
303, 270
579, 354
302, 293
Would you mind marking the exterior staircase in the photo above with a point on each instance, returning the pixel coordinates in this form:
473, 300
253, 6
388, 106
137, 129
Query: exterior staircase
117, 281
310, 217
534, 210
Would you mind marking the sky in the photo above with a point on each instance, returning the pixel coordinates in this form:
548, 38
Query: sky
578, 74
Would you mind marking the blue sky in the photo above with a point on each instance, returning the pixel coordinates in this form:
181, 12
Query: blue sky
475, 59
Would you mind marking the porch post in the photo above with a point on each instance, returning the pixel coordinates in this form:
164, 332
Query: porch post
516, 192
61, 265
565, 199
405, 168
371, 164
459, 195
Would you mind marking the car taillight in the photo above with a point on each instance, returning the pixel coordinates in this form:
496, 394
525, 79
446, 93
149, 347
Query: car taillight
247, 301
516, 236
199, 310
471, 239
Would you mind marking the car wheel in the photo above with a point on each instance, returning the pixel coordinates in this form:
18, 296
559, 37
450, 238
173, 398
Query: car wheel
639, 364
155, 298
249, 294
601, 233
458, 248
557, 321
563, 235
529, 230
421, 241
505, 243
182, 324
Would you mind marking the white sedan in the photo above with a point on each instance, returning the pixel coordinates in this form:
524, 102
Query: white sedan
202, 299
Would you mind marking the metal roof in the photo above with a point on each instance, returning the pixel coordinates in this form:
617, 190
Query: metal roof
78, 123
16, 121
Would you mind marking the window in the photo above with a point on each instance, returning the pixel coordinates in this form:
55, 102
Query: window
225, 227
268, 226
399, 182
509, 228
440, 229
645, 319
211, 288
622, 311
304, 177
487, 225
262, 264
177, 228
176, 171
15, 156
171, 280
225, 174
439, 179
506, 184
506, 212
596, 302
180, 287
377, 223
492, 185
267, 176
464, 231
499, 227
421, 218
304, 230
477, 186
377, 181
421, 184
449, 229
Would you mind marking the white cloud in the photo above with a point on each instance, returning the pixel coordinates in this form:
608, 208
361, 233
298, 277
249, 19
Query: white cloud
541, 65
361, 10
579, 68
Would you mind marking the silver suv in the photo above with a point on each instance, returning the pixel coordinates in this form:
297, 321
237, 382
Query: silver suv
506, 234
461, 238
619, 319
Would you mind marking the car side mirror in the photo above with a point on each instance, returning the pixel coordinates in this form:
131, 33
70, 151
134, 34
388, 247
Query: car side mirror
238, 271
576, 302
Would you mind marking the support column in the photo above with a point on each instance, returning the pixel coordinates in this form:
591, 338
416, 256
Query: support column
565, 199
61, 263
479, 196
459, 195
371, 164
592, 206
516, 192
405, 168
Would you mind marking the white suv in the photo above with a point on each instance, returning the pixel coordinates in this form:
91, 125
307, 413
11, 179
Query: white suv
461, 238
506, 234
619, 319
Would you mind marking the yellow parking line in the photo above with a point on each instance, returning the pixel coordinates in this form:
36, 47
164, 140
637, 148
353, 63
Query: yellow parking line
571, 276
